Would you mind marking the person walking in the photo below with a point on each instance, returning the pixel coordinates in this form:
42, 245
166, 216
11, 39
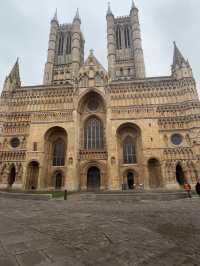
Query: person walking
198, 187
188, 188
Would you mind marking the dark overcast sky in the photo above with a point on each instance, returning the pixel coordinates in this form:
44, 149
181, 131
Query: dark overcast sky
24, 29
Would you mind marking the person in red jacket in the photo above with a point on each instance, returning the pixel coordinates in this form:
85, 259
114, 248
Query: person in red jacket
188, 188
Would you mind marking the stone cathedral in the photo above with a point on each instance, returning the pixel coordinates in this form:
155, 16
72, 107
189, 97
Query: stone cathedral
87, 128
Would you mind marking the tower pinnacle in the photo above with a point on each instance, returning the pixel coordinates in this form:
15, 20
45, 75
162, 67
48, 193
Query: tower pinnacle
55, 18
178, 57
77, 16
109, 11
13, 81
180, 67
133, 6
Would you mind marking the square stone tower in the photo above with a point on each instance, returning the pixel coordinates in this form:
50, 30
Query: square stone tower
65, 51
125, 54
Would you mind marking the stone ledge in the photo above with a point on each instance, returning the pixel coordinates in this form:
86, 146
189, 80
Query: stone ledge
25, 196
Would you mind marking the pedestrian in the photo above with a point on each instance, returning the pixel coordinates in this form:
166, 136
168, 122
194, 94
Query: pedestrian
198, 187
188, 188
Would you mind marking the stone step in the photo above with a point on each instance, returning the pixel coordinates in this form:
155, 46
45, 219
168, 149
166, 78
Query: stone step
25, 196
166, 196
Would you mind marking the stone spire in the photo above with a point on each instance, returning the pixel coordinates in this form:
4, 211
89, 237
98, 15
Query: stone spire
178, 57
109, 11
55, 18
133, 5
180, 67
77, 16
13, 81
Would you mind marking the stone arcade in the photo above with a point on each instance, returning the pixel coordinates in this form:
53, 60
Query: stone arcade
89, 129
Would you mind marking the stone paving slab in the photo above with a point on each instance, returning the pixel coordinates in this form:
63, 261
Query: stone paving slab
88, 233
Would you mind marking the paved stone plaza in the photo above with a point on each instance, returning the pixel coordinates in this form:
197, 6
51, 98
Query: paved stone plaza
94, 233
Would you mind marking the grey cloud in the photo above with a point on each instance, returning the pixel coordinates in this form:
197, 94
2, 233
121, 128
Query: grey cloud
24, 29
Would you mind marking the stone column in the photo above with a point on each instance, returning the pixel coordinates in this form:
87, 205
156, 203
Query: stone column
48, 72
137, 44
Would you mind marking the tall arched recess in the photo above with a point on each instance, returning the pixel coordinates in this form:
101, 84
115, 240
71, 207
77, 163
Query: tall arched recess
92, 115
180, 176
12, 176
92, 138
155, 174
55, 158
32, 176
130, 151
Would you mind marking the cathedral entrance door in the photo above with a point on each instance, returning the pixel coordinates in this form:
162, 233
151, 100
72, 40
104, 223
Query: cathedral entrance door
93, 179
130, 180
180, 175
58, 180
12, 176
33, 173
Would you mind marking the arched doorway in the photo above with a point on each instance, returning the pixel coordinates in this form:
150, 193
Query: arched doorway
58, 180
180, 177
155, 175
130, 180
12, 176
32, 175
93, 178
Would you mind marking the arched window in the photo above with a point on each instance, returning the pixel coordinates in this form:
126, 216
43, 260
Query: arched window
61, 42
127, 37
118, 38
68, 44
93, 134
129, 151
59, 153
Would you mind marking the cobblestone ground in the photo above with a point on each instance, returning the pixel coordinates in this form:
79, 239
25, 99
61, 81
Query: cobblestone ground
99, 233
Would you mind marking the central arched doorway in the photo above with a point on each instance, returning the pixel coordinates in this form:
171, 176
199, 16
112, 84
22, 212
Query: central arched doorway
130, 180
12, 176
93, 178
58, 180
180, 177
32, 175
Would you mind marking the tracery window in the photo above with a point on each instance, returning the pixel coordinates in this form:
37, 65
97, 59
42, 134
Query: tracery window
68, 44
61, 43
129, 151
118, 38
59, 153
93, 134
127, 37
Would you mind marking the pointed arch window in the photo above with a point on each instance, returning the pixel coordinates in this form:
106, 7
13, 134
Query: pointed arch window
69, 43
59, 153
93, 134
129, 151
118, 38
127, 37
61, 43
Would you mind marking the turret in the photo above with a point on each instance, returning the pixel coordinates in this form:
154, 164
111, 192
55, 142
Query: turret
48, 72
111, 43
180, 67
12, 81
137, 43
76, 44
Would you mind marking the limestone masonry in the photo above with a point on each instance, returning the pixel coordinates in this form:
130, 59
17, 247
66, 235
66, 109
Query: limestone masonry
89, 129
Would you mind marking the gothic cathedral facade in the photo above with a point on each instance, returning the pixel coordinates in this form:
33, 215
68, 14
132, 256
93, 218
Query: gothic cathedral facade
87, 128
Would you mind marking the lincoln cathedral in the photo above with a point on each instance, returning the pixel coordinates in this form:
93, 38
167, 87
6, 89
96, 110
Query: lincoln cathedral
88, 128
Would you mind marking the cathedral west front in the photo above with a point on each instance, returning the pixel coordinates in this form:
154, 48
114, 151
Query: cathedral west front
88, 128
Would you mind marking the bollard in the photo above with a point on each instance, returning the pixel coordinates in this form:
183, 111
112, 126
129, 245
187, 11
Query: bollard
65, 195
